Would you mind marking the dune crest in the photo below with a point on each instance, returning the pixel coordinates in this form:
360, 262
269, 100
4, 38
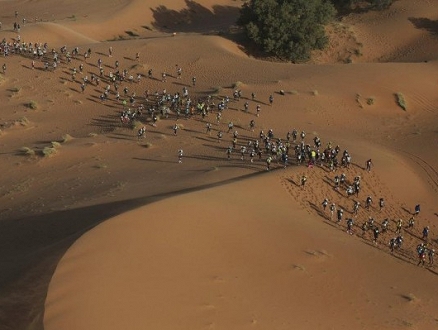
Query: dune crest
54, 34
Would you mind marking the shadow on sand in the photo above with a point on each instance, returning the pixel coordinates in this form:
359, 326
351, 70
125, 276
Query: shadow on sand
194, 18
33, 246
427, 24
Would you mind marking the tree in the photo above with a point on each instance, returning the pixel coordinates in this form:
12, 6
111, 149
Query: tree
381, 4
343, 5
346, 5
288, 29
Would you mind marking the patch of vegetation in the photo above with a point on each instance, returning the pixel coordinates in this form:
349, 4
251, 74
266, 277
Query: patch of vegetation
32, 105
299, 267
358, 97
132, 34
290, 29
400, 98
23, 121
27, 151
66, 138
237, 84
315, 93
49, 151
119, 37
55, 144
358, 52
409, 297
14, 90
344, 6
370, 100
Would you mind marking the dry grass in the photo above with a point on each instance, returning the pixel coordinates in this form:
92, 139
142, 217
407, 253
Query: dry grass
14, 90
299, 267
66, 138
237, 84
358, 100
27, 151
23, 121
32, 105
410, 297
400, 98
49, 151
371, 100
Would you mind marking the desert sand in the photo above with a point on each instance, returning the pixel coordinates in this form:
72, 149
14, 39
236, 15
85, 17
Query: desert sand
100, 230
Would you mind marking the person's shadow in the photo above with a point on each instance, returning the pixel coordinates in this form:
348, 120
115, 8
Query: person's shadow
407, 210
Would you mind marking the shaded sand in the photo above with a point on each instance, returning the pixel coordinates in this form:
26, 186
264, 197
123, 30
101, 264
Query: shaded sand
237, 253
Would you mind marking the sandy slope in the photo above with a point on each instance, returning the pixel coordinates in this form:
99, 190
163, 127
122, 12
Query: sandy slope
246, 256
272, 236
406, 32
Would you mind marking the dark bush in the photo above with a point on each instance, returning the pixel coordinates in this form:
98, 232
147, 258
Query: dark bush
288, 29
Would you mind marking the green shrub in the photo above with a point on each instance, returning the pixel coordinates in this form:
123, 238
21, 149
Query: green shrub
288, 29
346, 5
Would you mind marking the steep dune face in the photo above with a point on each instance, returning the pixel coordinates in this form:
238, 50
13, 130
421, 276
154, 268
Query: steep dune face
54, 34
252, 253
244, 256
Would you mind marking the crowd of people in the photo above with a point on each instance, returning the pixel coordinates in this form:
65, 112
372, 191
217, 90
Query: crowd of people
393, 237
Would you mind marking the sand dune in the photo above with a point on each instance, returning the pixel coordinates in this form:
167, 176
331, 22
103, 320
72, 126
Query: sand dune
101, 230
54, 34
246, 256
404, 33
